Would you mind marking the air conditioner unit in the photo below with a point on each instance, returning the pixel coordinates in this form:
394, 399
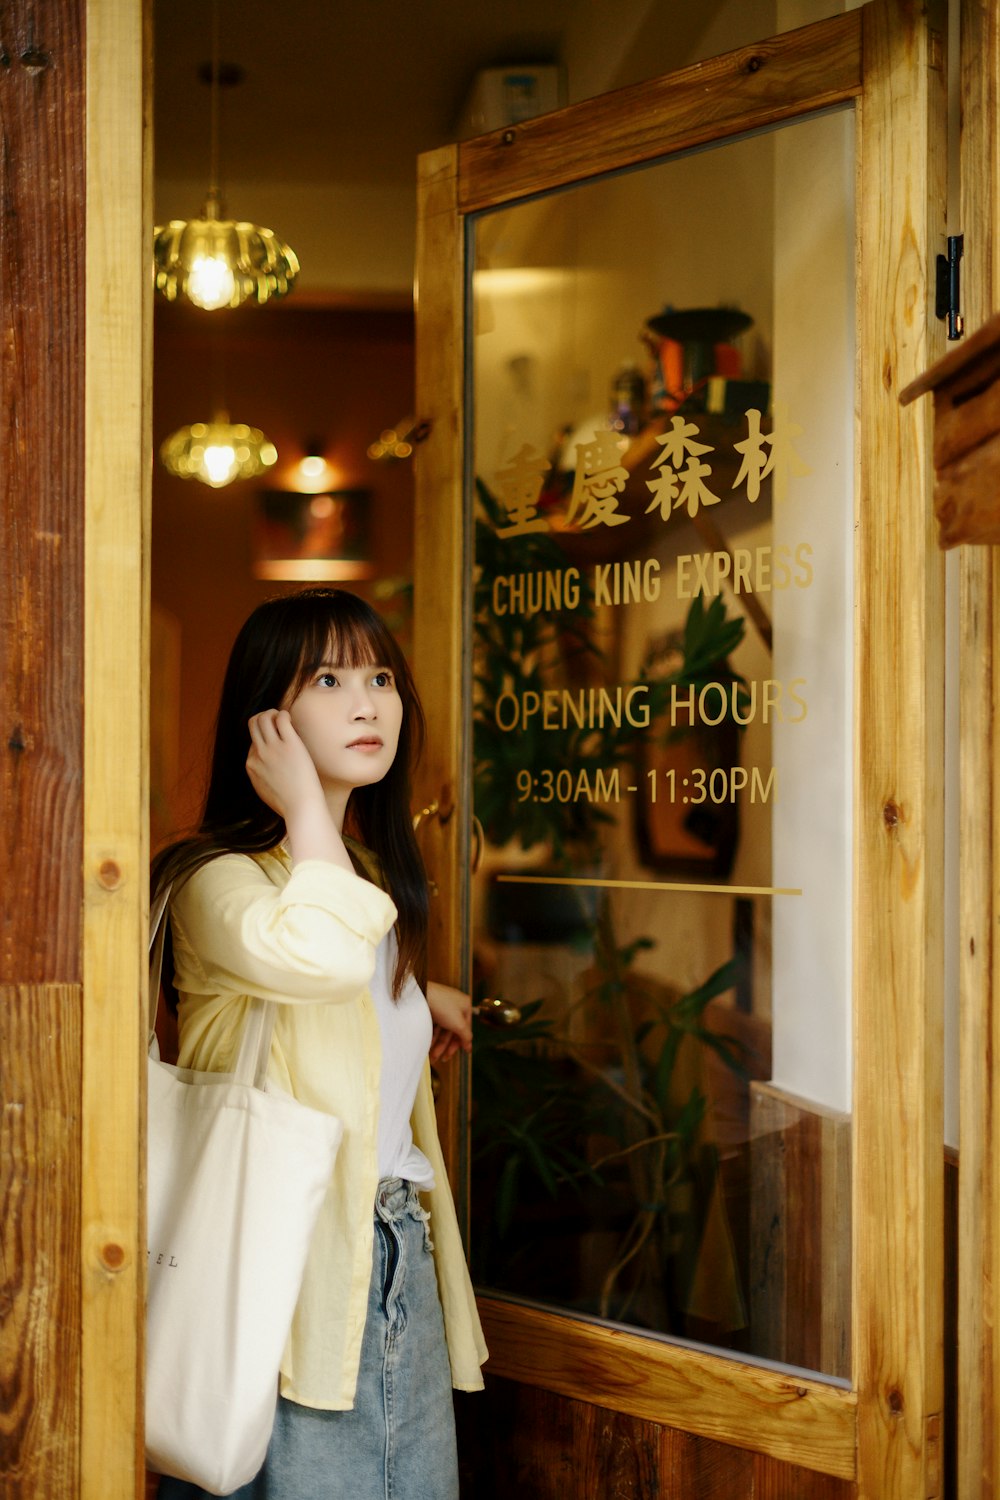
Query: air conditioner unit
505, 96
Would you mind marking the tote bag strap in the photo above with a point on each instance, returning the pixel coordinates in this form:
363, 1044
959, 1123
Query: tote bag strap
255, 1043
157, 939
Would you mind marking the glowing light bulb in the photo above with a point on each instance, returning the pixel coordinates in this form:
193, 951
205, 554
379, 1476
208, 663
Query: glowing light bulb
218, 452
210, 282
313, 473
219, 463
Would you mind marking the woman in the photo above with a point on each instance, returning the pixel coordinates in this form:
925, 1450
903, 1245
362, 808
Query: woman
318, 724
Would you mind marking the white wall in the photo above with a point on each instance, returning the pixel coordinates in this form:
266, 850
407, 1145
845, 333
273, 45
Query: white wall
814, 382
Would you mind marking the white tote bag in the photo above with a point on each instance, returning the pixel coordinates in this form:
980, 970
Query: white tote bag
237, 1172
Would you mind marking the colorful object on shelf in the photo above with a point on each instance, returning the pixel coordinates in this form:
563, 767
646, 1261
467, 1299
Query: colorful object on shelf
688, 347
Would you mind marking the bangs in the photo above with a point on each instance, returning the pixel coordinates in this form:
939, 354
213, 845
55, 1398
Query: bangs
346, 639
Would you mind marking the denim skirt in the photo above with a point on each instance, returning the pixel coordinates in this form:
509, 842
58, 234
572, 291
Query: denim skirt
398, 1443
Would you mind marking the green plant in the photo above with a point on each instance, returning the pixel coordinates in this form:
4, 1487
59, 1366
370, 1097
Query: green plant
541, 1102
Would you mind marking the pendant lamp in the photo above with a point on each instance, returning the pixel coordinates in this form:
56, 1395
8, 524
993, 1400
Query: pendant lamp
217, 452
220, 451
214, 261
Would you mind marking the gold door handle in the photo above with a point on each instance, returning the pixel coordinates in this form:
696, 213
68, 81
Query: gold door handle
498, 1013
432, 810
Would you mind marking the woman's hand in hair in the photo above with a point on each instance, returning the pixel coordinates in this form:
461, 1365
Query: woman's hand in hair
451, 1012
280, 767
283, 775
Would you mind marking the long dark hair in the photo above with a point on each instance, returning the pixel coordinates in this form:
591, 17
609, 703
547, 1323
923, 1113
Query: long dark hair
279, 647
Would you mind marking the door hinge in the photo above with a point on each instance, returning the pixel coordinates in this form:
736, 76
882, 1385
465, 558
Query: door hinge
949, 286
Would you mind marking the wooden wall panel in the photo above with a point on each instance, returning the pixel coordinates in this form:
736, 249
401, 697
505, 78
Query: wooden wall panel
42, 236
73, 445
42, 271
541, 1446
39, 1241
800, 1232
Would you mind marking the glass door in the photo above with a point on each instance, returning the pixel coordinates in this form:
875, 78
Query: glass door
678, 625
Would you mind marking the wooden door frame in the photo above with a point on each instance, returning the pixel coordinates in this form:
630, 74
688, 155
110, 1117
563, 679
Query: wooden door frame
885, 1430
978, 1383
116, 491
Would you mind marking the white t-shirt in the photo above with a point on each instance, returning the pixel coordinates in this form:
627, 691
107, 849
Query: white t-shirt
406, 1028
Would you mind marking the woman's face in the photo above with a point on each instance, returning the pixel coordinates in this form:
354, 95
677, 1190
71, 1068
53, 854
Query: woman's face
349, 719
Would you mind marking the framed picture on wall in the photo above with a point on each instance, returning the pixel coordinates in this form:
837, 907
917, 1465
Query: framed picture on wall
307, 538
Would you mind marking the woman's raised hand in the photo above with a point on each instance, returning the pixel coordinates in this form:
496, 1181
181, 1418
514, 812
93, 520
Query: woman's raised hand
280, 767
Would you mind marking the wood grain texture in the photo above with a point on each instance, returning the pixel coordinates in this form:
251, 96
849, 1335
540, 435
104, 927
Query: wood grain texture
950, 1466
440, 570
115, 807
899, 675
966, 388
540, 1445
968, 413
778, 1481
788, 1417
978, 1380
42, 266
752, 87
41, 460
967, 497
800, 1238
705, 1470
39, 1241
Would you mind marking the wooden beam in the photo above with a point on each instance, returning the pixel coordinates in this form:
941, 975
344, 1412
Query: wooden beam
899, 768
116, 497
978, 1396
773, 80
789, 1417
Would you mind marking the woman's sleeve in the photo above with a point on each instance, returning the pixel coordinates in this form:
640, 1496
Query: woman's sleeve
313, 939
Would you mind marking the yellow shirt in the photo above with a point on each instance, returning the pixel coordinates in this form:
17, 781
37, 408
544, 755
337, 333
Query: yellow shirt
250, 925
